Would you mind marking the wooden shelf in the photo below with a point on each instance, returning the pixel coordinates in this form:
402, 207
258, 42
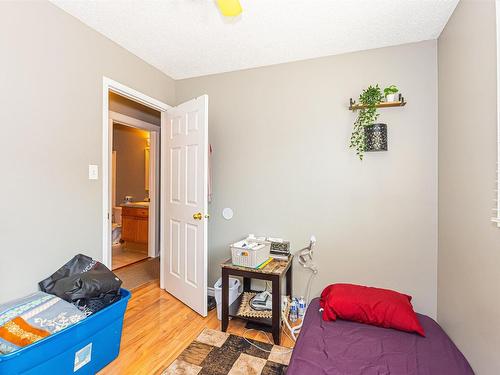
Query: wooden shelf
233, 312
399, 103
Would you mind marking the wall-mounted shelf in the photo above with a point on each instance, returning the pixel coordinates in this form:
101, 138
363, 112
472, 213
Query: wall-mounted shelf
399, 103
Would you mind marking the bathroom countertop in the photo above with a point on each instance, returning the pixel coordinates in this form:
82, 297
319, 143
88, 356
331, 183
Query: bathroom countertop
135, 204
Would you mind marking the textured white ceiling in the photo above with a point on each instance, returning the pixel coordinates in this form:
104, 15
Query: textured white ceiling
188, 38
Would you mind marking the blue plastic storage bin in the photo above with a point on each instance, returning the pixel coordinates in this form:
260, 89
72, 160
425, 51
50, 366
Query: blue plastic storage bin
84, 348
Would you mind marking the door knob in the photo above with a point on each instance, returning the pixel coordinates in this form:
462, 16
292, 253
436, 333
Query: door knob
197, 216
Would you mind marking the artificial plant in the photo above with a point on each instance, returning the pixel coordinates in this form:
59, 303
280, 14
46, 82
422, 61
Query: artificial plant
369, 98
392, 89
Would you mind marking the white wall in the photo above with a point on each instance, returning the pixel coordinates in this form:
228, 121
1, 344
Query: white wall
51, 120
281, 160
469, 244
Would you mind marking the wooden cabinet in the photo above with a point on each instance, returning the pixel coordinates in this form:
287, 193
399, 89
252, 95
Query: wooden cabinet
142, 231
135, 224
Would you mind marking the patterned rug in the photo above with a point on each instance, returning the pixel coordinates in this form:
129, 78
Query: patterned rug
219, 353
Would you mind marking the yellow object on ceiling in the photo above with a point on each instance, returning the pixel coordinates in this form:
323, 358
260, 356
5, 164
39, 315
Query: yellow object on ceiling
229, 8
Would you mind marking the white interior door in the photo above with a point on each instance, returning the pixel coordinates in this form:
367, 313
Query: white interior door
184, 179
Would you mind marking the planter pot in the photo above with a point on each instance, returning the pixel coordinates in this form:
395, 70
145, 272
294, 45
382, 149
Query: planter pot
376, 137
390, 98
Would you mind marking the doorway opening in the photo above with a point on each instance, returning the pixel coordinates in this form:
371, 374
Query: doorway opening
132, 226
135, 243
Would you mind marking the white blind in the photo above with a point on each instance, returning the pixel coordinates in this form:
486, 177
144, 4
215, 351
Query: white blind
496, 210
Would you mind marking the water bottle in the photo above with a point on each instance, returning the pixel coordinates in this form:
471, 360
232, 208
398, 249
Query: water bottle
302, 307
293, 311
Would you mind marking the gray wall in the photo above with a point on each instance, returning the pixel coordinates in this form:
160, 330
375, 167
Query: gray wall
469, 244
51, 93
129, 144
281, 160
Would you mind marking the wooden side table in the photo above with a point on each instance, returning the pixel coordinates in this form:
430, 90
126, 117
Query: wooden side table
274, 272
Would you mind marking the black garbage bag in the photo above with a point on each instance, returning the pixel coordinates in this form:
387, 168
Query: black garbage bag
85, 282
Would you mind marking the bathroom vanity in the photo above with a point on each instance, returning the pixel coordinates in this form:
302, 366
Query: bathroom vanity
135, 222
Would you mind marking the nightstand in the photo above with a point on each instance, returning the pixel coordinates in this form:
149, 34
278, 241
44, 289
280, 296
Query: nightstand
274, 271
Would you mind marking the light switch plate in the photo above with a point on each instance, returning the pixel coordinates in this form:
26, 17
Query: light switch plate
93, 172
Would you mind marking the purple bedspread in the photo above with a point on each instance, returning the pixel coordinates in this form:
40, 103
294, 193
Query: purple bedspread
343, 347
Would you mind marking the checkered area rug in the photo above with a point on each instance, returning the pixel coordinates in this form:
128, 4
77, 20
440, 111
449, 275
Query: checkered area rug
219, 353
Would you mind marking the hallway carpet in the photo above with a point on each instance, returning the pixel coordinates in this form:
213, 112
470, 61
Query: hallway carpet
140, 273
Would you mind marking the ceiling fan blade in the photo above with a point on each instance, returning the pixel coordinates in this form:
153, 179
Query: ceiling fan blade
229, 8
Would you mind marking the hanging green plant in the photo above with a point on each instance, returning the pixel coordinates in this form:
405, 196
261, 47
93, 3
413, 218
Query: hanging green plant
370, 97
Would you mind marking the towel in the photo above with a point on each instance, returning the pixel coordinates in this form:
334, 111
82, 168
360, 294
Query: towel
18, 332
209, 173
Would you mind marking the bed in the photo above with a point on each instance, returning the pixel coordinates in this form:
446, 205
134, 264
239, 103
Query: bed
344, 347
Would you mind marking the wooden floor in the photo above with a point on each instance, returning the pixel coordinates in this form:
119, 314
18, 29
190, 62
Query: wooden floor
158, 327
123, 255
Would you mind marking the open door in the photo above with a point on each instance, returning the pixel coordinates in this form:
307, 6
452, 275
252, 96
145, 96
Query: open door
184, 180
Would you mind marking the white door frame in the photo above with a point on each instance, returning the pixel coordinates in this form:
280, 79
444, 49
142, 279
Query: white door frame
107, 147
154, 172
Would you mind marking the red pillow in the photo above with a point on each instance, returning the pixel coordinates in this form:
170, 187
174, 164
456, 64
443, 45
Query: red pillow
379, 307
